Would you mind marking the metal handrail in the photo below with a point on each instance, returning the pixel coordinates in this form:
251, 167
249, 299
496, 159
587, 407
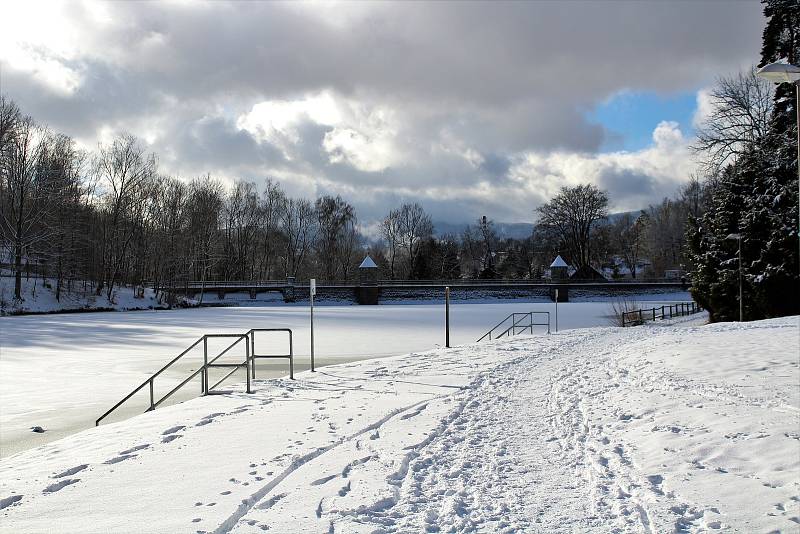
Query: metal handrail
517, 324
148, 381
248, 364
153, 403
640, 316
254, 356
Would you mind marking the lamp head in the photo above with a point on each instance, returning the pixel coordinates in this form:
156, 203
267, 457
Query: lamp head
779, 72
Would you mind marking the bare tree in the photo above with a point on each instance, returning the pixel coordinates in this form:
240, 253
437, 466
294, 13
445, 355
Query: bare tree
125, 171
415, 226
390, 230
297, 223
241, 225
63, 167
10, 117
489, 238
25, 196
629, 237
572, 214
335, 223
169, 217
741, 107
205, 207
272, 203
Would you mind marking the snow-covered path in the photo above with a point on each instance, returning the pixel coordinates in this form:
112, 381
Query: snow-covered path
649, 429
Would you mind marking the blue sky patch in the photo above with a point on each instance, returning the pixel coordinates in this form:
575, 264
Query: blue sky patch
632, 117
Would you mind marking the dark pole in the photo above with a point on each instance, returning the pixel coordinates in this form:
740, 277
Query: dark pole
313, 289
556, 309
447, 316
741, 313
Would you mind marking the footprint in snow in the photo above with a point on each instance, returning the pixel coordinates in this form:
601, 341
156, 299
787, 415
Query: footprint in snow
172, 430
71, 471
171, 437
119, 459
58, 486
8, 501
269, 503
136, 448
323, 480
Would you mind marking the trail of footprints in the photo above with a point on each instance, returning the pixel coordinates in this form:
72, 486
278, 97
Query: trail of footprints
64, 478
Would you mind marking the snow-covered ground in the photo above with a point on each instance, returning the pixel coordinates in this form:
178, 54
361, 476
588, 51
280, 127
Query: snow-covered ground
61, 372
39, 296
647, 429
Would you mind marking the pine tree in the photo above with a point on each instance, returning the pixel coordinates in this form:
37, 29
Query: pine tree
756, 197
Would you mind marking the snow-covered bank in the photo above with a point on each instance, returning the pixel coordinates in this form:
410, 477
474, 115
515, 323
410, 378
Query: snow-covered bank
61, 372
634, 430
39, 296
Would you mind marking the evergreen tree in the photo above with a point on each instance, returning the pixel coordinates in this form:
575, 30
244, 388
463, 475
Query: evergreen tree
756, 197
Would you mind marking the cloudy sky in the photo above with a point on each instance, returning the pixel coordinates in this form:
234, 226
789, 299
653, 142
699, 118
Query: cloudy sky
467, 108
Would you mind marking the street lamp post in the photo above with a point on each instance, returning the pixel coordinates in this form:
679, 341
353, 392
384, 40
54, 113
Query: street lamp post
738, 237
787, 73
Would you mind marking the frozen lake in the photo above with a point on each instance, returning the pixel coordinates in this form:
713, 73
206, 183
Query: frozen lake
63, 371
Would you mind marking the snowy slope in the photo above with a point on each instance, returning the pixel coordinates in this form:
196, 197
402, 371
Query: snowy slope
662, 428
39, 296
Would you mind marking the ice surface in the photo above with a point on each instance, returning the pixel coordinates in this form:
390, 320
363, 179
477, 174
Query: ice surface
63, 371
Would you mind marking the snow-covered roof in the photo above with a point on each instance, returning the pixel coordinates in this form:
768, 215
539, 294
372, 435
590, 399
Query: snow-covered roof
558, 262
367, 263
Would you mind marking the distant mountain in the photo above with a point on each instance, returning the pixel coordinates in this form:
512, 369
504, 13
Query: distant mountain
504, 230
508, 230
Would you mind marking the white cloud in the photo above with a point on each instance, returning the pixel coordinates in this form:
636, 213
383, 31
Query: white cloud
633, 179
359, 135
704, 107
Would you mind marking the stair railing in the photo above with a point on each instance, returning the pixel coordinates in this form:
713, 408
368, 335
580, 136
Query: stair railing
517, 324
248, 364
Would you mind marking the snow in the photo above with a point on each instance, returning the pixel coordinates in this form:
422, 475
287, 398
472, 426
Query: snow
558, 262
368, 263
63, 371
39, 296
654, 428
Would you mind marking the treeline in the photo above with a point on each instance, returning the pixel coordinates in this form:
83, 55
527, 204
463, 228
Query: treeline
110, 217
749, 145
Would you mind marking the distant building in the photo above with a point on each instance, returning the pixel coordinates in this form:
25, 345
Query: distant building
587, 272
367, 291
368, 272
559, 270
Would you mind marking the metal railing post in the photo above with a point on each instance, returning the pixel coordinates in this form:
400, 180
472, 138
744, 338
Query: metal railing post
654, 315
152, 397
253, 351
291, 357
447, 316
204, 380
247, 364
